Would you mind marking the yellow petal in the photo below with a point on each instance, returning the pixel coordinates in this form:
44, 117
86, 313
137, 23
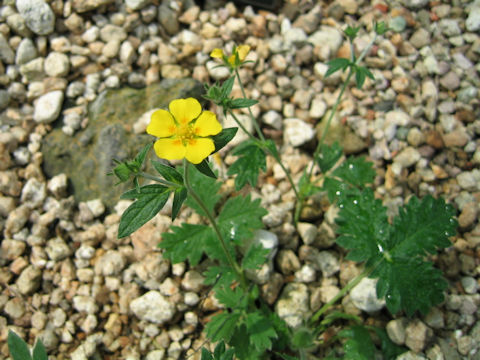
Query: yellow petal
185, 110
207, 124
217, 53
199, 149
170, 149
161, 124
243, 51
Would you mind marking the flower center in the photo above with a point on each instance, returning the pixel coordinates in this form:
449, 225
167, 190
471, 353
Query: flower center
185, 133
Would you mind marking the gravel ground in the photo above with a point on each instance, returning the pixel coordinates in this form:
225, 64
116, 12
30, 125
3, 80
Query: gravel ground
66, 278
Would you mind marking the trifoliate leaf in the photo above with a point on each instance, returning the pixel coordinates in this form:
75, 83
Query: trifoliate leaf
337, 64
239, 217
179, 196
222, 139
255, 257
39, 351
206, 188
150, 200
188, 241
328, 156
222, 326
251, 159
18, 347
260, 331
168, 173
359, 345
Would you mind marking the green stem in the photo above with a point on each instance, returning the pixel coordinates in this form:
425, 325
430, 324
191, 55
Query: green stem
211, 219
159, 180
354, 282
254, 120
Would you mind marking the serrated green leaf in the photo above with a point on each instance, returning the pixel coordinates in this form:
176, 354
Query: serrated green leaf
206, 188
251, 159
255, 257
359, 345
242, 103
188, 241
364, 227
168, 173
241, 342
39, 351
329, 156
222, 139
220, 276
179, 196
222, 326
205, 169
150, 200
390, 350
239, 217
337, 64
260, 331
234, 299
18, 347
356, 171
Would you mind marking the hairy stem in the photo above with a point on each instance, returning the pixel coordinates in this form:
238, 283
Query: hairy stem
159, 180
211, 219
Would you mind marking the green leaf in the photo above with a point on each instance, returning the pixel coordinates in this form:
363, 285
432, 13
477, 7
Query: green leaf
206, 355
179, 196
168, 173
222, 326
329, 156
220, 276
227, 87
239, 217
140, 158
233, 299
351, 32
150, 200
381, 28
219, 349
260, 331
186, 242
390, 350
255, 257
303, 338
205, 169
207, 188
242, 103
121, 171
359, 345
39, 352
222, 139
337, 64
18, 347
251, 159
356, 171
361, 73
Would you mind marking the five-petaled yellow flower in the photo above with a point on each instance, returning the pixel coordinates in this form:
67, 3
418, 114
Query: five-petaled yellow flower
240, 51
183, 132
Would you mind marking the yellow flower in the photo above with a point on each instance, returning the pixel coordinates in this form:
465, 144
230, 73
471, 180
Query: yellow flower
183, 132
240, 51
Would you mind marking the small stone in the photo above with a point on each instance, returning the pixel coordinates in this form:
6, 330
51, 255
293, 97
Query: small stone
273, 118
364, 296
407, 157
112, 33
26, 52
34, 193
57, 249
468, 215
435, 318
153, 307
15, 308
7, 205
57, 185
420, 38
293, 304
38, 16
193, 281
82, 6
306, 274
327, 262
6, 52
308, 232
111, 263
417, 335
327, 40
127, 53
17, 219
11, 249
17, 24
4, 99
287, 261
450, 81
470, 285
57, 64
137, 4
473, 20
156, 355
48, 106
39, 320
396, 330
86, 304
469, 180
297, 132
29, 280
458, 138
318, 108
449, 27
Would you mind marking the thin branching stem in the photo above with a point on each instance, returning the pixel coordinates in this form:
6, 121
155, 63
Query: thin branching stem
213, 222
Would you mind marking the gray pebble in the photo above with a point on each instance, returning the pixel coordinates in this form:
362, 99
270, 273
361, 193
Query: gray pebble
38, 16
48, 106
26, 51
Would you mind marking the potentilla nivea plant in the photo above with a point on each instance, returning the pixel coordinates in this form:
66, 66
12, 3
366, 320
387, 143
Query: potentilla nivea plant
394, 252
